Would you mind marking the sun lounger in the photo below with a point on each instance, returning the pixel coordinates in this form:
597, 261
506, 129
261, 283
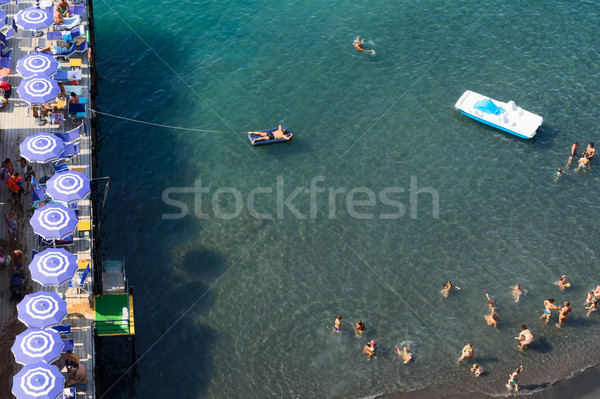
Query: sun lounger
66, 36
70, 136
67, 76
69, 23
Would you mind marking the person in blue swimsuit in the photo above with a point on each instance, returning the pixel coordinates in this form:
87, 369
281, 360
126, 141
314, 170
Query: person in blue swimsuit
548, 307
337, 324
584, 162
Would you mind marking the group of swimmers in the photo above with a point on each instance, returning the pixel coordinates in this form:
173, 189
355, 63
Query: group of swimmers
525, 337
584, 161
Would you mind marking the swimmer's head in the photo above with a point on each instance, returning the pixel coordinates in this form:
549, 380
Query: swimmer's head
339, 317
373, 341
523, 326
576, 142
592, 144
551, 300
564, 276
567, 303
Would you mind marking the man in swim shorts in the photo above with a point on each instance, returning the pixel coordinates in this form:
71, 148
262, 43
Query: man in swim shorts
513, 378
280, 133
574, 148
563, 314
590, 151
337, 324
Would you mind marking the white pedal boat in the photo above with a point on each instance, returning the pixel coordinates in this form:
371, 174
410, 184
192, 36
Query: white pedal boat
504, 116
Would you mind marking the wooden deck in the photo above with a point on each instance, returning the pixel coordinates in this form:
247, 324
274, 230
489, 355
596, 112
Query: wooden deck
16, 123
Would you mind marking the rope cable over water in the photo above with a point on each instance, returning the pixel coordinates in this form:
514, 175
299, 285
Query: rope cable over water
245, 132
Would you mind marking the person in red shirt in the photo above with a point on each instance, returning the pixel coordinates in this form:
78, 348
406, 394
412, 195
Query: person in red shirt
15, 183
7, 92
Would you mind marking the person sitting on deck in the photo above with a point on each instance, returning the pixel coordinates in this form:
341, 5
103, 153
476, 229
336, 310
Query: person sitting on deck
74, 98
56, 50
7, 92
76, 374
63, 7
59, 17
280, 133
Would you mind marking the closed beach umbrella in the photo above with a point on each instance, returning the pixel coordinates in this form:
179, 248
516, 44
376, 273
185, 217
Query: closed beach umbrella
68, 186
36, 345
37, 64
42, 147
54, 221
39, 381
38, 90
33, 19
53, 266
42, 309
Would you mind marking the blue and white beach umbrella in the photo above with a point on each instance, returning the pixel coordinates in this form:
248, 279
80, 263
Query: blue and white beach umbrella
36, 345
54, 221
42, 147
33, 19
37, 64
68, 186
53, 266
42, 309
38, 89
38, 381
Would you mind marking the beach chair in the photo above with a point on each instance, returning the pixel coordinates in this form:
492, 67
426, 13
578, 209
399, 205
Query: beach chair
79, 279
63, 75
43, 243
77, 110
68, 37
70, 136
71, 149
63, 329
68, 344
69, 23
11, 31
75, 48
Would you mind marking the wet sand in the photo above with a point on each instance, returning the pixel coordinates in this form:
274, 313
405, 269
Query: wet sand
583, 385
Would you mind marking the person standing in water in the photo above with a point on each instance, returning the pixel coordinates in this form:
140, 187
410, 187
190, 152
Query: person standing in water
590, 298
359, 328
513, 378
337, 324
562, 283
370, 348
590, 151
573, 154
492, 318
467, 352
404, 354
593, 307
548, 306
563, 313
525, 337
517, 292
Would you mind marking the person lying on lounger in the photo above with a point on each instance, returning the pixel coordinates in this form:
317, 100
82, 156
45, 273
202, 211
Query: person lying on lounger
277, 134
56, 50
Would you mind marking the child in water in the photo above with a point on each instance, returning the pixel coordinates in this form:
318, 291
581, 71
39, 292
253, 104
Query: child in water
590, 298
404, 354
593, 307
562, 283
476, 369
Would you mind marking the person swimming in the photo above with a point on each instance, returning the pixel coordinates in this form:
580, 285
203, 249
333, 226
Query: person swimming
559, 172
370, 348
583, 162
359, 45
517, 292
593, 307
447, 287
404, 354
492, 318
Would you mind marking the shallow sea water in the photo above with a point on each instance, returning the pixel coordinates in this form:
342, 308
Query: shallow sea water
248, 305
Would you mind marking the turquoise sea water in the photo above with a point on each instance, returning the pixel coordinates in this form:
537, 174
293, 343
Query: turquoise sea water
244, 307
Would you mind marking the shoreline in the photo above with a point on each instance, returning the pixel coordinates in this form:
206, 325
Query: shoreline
584, 384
